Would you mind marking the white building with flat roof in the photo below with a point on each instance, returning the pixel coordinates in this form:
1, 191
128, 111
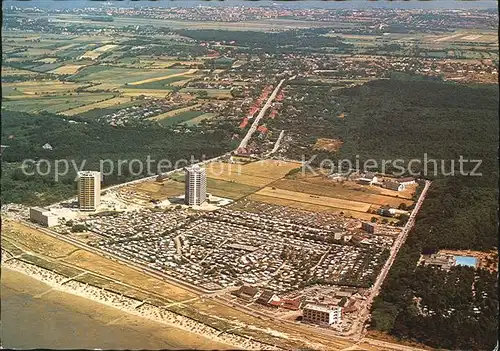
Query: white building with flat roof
322, 314
89, 190
195, 185
43, 216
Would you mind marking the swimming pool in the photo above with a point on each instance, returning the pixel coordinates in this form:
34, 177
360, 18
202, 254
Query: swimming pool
466, 261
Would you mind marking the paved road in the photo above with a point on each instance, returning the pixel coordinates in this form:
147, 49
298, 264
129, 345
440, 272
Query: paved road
358, 326
255, 123
276, 144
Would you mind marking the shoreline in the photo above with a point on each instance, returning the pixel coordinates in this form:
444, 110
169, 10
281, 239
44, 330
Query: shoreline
129, 305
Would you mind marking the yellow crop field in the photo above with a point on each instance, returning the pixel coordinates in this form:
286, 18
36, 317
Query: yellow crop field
97, 105
156, 79
106, 48
341, 191
273, 169
48, 60
311, 207
314, 199
232, 173
94, 54
67, 69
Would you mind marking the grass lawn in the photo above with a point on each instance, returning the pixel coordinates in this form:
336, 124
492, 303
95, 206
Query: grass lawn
180, 118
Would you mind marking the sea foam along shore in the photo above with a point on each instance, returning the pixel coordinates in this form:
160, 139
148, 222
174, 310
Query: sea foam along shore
129, 305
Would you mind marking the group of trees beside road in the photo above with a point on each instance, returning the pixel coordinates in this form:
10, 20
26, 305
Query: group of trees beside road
446, 121
457, 214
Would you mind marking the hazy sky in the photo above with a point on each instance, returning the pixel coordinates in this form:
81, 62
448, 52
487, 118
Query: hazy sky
350, 4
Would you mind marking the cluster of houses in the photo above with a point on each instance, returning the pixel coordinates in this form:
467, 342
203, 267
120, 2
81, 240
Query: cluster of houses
152, 108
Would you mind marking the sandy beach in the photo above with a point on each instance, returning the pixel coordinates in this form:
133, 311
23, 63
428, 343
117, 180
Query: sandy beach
58, 320
164, 329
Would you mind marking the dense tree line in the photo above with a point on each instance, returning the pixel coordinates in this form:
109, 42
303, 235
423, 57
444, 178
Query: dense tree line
270, 42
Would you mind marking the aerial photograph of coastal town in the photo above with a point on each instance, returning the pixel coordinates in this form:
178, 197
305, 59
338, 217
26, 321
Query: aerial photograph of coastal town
249, 175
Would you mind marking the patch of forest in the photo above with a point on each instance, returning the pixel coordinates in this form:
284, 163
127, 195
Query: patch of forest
390, 119
90, 142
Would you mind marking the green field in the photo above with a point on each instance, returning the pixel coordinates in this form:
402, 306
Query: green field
53, 104
119, 75
47, 67
161, 84
197, 120
229, 190
180, 118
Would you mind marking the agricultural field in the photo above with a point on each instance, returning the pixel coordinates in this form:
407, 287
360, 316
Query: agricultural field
199, 119
312, 207
341, 191
44, 87
147, 92
175, 187
46, 67
212, 93
53, 104
172, 114
97, 105
67, 69
257, 174
48, 60
119, 75
16, 72
180, 73
272, 169
103, 86
314, 199
94, 54
231, 173
182, 117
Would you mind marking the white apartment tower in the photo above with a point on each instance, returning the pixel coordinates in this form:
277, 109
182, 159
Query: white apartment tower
89, 190
321, 314
196, 185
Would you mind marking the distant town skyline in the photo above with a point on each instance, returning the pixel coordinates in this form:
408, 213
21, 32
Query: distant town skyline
361, 4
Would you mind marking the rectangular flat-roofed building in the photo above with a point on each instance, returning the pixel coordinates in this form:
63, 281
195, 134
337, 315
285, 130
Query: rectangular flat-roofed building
322, 314
43, 216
